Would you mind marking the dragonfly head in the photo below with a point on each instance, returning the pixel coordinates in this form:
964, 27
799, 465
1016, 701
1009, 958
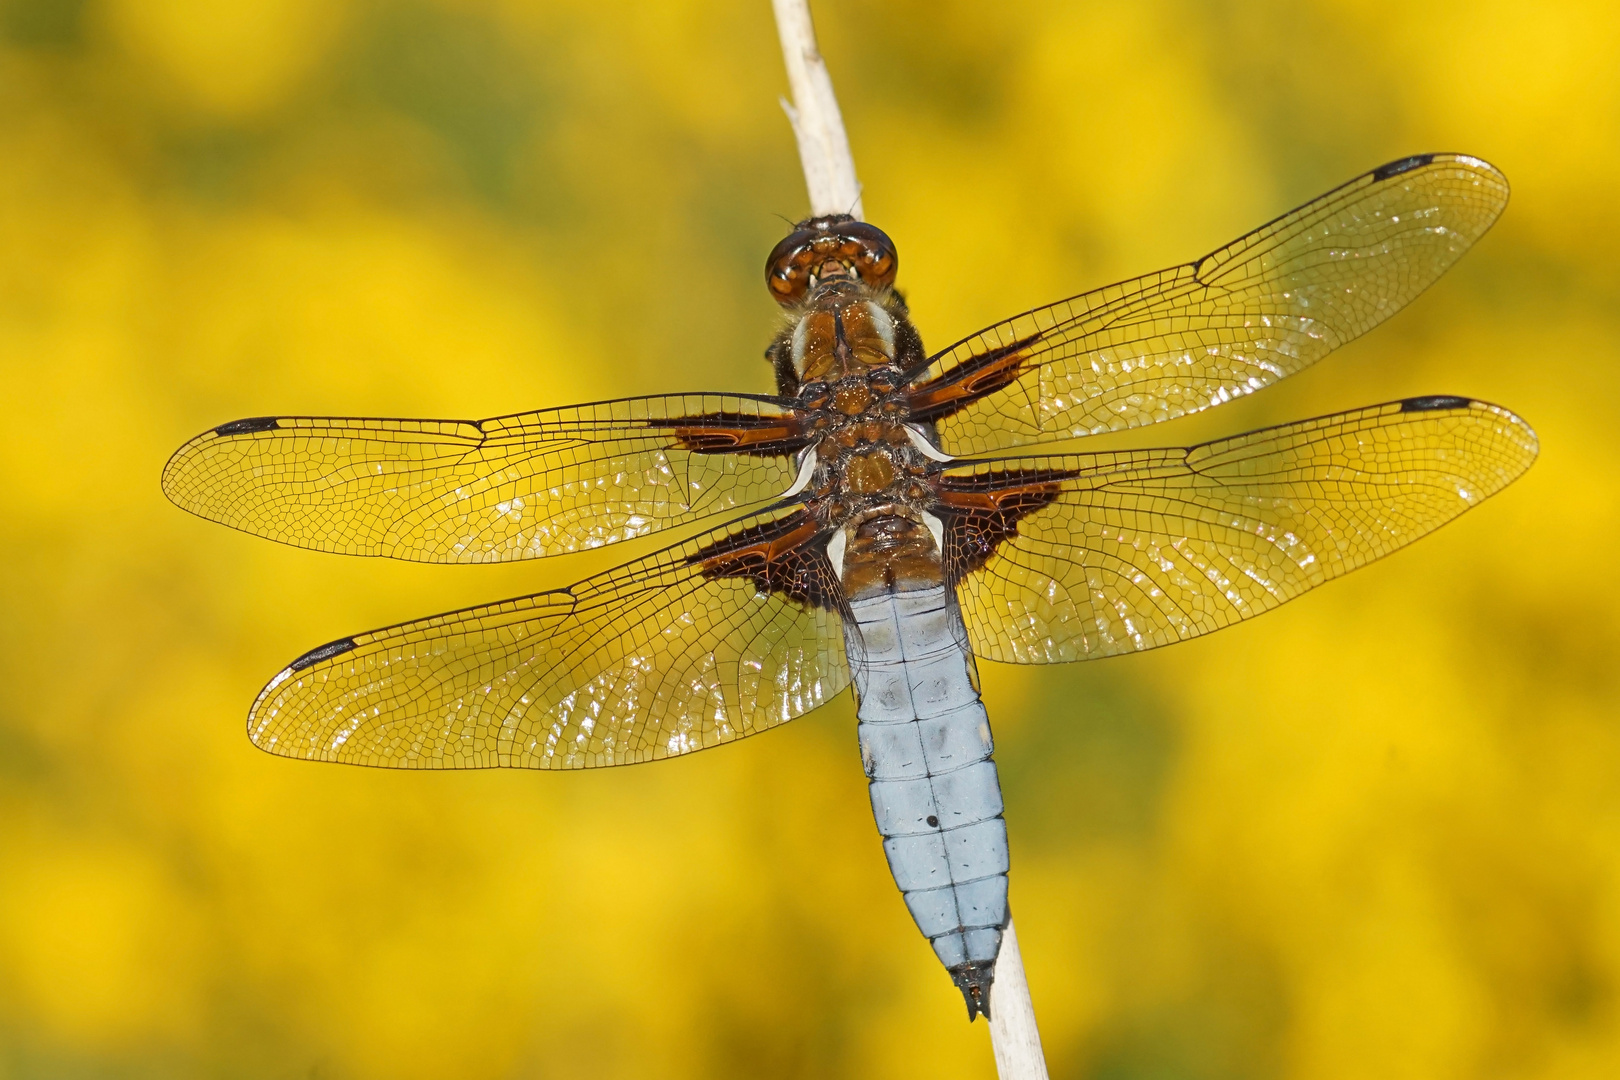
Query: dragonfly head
833, 246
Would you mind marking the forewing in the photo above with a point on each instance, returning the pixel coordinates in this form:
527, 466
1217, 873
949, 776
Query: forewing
1079, 556
512, 487
1244, 316
677, 652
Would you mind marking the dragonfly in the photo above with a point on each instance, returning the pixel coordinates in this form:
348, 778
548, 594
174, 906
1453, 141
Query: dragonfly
867, 526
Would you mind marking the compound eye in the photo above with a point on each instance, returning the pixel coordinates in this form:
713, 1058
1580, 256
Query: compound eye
820, 247
787, 270
871, 253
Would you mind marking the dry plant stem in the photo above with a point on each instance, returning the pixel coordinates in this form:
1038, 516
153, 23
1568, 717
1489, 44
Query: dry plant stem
829, 174
829, 168
1013, 1036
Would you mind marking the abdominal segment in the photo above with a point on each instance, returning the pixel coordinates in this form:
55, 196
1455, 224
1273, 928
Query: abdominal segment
925, 744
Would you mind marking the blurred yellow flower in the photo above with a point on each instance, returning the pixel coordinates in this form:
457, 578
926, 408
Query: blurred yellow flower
1371, 834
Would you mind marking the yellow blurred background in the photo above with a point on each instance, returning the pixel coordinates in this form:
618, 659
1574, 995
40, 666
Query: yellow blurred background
1375, 834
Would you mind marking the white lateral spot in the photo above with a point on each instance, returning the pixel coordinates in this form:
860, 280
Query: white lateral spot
884, 327
928, 449
937, 527
835, 552
807, 469
800, 333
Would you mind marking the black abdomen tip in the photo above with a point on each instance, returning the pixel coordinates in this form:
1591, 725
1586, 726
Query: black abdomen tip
1435, 403
1405, 164
322, 652
248, 426
974, 979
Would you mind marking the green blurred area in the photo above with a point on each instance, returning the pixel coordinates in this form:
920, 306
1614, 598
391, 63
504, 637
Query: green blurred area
1376, 833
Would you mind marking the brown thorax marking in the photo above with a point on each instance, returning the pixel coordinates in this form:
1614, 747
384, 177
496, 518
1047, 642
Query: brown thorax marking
842, 330
852, 398
868, 472
864, 462
891, 550
870, 491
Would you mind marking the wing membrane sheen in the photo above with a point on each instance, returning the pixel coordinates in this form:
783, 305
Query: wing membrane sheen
1099, 554
656, 658
511, 487
1244, 316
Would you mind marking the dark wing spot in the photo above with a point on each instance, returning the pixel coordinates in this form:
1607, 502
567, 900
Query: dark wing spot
1406, 164
933, 822
983, 509
248, 426
1434, 403
762, 435
322, 652
972, 379
787, 557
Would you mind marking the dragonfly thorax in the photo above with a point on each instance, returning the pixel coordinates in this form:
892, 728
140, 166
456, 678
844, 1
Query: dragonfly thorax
867, 453
854, 480
842, 330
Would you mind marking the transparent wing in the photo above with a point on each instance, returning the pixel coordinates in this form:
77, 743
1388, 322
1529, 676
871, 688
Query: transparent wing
1242, 317
512, 487
1098, 554
680, 651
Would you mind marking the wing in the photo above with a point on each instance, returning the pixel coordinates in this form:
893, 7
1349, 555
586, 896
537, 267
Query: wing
1242, 317
1073, 557
725, 636
512, 487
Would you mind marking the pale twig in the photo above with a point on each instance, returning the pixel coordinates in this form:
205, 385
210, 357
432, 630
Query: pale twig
1013, 1035
829, 168
829, 174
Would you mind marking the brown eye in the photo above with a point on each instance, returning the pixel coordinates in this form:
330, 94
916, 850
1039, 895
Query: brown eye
786, 269
822, 246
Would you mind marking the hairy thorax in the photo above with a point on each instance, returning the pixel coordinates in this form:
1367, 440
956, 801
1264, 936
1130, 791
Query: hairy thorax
879, 508
844, 356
